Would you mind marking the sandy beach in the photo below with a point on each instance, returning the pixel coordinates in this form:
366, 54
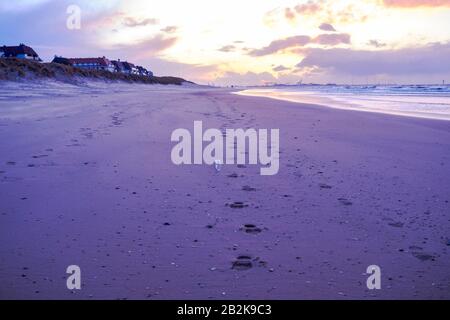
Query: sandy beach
86, 179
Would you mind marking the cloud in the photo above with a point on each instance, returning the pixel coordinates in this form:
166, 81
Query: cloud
426, 60
416, 3
289, 14
153, 45
321, 9
327, 27
300, 41
376, 44
280, 68
281, 44
332, 39
271, 18
170, 29
228, 48
133, 22
310, 8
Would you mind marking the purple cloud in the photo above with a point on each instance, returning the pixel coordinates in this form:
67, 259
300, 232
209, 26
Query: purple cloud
327, 27
133, 22
332, 39
280, 68
310, 8
170, 29
427, 60
281, 44
301, 41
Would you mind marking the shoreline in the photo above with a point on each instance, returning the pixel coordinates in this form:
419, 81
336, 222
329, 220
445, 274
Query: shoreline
330, 101
86, 178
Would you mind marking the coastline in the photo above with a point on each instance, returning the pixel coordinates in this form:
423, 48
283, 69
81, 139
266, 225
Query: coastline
86, 178
357, 102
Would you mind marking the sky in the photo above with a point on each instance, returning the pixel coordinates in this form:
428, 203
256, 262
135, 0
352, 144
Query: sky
246, 42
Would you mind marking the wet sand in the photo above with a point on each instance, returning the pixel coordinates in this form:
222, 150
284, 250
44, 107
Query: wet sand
86, 178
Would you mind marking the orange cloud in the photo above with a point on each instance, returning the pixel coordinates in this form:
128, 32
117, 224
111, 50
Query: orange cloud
289, 14
319, 9
310, 8
416, 3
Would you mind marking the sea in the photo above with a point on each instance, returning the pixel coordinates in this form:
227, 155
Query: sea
423, 101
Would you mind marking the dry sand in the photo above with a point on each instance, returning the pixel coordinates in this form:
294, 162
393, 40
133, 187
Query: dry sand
86, 178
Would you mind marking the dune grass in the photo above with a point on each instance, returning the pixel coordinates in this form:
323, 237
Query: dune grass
13, 69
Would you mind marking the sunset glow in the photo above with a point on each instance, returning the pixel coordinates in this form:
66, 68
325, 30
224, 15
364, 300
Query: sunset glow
243, 42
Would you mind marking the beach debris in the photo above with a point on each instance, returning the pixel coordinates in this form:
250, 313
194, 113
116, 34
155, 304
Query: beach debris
233, 175
448, 242
218, 165
248, 188
324, 186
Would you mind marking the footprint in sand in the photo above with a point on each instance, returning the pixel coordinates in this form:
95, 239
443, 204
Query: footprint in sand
242, 263
251, 229
423, 256
237, 205
396, 224
246, 262
345, 202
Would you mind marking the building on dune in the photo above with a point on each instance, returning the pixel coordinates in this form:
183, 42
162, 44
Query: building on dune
144, 72
92, 63
21, 52
103, 63
130, 68
118, 66
62, 60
